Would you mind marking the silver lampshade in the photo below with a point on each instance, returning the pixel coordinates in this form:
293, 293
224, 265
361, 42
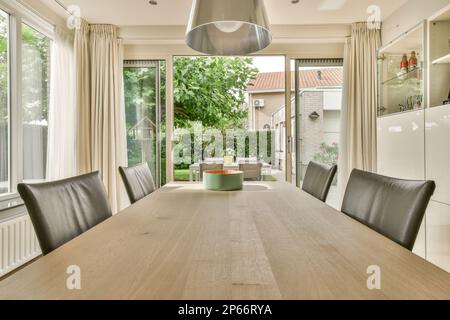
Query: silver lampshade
228, 27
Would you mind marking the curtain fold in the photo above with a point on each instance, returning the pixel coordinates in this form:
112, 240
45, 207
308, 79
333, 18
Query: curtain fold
359, 114
101, 121
61, 151
83, 99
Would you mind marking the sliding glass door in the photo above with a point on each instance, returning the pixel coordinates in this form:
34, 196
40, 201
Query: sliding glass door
316, 115
144, 83
229, 111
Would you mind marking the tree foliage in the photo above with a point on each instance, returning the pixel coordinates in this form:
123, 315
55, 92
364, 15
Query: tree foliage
35, 73
211, 90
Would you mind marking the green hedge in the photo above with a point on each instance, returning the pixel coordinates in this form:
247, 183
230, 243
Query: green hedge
269, 158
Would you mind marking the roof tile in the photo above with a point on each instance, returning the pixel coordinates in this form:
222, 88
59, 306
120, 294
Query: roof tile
331, 77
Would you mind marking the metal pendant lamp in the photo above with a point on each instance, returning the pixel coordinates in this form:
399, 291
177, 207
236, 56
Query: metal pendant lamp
228, 27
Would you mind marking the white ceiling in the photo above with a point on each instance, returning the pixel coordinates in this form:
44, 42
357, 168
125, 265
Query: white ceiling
176, 12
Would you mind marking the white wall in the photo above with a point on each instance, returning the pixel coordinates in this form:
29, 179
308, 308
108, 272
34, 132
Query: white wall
332, 122
326, 41
311, 50
332, 100
46, 13
408, 16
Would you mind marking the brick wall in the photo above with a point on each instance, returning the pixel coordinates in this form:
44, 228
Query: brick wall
312, 134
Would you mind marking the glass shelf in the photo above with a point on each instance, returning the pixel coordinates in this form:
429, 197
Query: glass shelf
382, 114
402, 91
404, 77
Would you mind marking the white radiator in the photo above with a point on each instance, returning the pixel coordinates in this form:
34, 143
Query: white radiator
18, 244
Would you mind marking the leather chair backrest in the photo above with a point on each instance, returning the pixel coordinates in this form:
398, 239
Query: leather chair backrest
252, 171
318, 180
62, 210
393, 207
209, 167
138, 181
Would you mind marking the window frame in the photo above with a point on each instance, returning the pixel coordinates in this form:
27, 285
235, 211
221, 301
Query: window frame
8, 103
18, 15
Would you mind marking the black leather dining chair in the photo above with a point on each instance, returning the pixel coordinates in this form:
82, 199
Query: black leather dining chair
318, 180
138, 181
393, 207
62, 210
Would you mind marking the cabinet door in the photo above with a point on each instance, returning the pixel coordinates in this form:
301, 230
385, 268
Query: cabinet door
401, 153
438, 151
438, 234
401, 145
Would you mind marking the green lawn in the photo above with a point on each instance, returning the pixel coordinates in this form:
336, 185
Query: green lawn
182, 175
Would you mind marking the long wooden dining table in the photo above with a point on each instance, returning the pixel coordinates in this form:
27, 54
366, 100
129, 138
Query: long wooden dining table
269, 241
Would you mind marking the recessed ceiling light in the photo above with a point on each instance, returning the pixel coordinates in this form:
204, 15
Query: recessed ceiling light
153, 2
295, 1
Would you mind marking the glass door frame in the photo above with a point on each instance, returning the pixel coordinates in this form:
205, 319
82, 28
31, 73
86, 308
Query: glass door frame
170, 116
169, 58
156, 64
288, 120
299, 63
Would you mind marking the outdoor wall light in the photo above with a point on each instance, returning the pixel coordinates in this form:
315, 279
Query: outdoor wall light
228, 28
314, 116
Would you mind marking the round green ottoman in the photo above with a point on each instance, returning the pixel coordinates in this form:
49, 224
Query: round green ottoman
223, 180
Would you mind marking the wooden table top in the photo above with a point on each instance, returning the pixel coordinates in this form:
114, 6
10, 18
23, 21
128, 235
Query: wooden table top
269, 241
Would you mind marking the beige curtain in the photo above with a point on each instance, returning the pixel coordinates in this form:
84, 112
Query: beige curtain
61, 151
101, 121
359, 114
83, 76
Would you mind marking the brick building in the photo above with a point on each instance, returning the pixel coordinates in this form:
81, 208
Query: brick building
320, 109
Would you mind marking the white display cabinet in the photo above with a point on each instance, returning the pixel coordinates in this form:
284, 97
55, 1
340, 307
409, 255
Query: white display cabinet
414, 143
402, 73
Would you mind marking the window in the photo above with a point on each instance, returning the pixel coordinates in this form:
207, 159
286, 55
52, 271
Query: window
4, 103
35, 101
25, 51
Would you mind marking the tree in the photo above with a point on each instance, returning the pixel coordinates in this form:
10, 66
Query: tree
35, 74
211, 90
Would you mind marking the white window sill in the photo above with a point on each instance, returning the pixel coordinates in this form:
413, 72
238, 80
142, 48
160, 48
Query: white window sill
8, 197
11, 206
